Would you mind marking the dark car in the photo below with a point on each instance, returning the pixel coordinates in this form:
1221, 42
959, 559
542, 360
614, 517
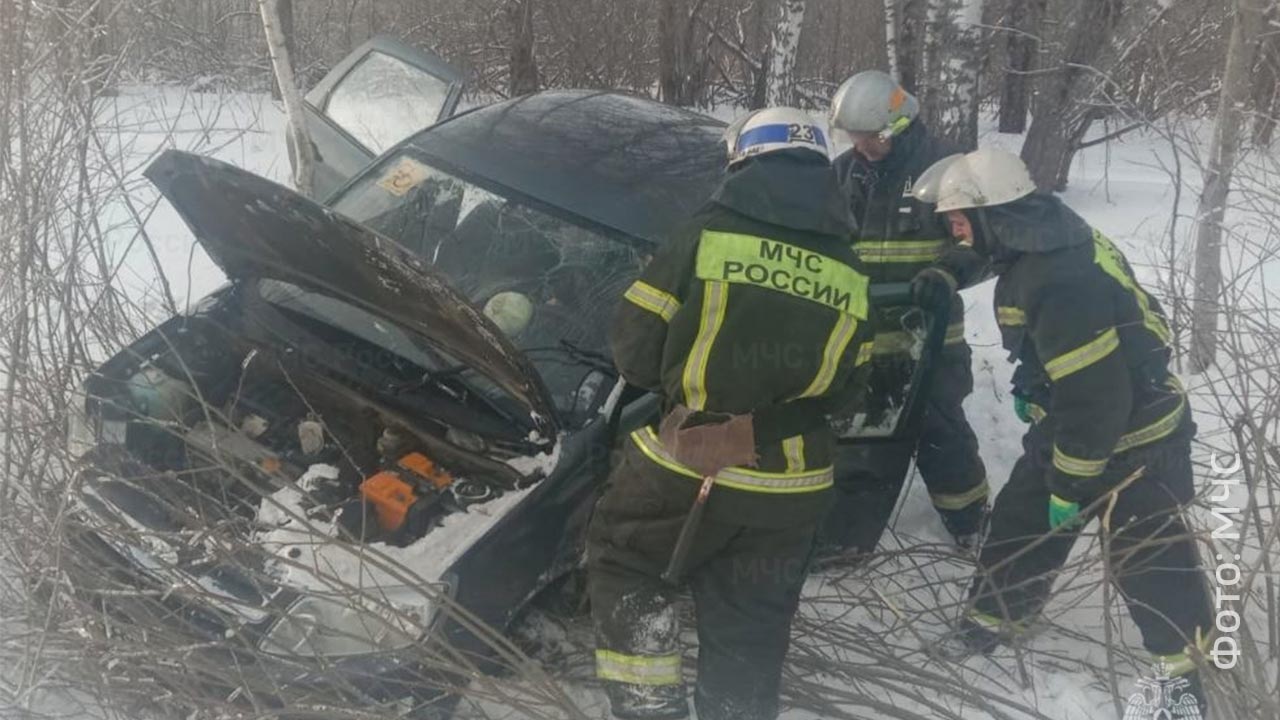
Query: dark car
384, 436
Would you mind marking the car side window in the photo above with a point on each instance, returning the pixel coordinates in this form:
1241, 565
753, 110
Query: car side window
383, 100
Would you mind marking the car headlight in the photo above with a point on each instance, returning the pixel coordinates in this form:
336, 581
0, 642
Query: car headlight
336, 626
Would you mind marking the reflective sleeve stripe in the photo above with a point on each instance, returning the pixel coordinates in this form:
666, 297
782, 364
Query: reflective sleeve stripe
1083, 356
793, 450
735, 477
960, 501
1159, 429
715, 298
650, 298
864, 353
1010, 316
955, 334
1037, 412
1079, 467
842, 333
899, 251
638, 669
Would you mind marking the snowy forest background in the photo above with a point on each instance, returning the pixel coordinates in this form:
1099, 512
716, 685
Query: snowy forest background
1155, 118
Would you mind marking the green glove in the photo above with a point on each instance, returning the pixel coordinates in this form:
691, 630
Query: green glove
1063, 512
1022, 408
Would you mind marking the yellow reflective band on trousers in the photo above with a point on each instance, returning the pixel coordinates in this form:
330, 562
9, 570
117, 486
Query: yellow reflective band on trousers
638, 669
995, 624
1010, 316
793, 451
783, 268
1083, 356
736, 477
899, 251
960, 501
842, 333
1160, 429
1080, 467
715, 298
650, 298
1107, 257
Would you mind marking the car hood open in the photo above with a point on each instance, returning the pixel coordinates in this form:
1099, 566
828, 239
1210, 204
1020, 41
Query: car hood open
253, 227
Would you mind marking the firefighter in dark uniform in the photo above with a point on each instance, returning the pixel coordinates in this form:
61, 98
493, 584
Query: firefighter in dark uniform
898, 240
1110, 425
751, 328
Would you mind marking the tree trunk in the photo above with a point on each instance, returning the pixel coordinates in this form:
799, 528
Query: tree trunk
1047, 140
277, 44
785, 46
523, 71
1266, 82
286, 28
955, 52
912, 17
891, 36
1023, 45
1232, 104
671, 63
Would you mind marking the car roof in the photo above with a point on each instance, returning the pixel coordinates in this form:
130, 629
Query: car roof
629, 163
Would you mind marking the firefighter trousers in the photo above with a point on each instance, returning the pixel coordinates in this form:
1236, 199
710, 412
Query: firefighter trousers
746, 586
870, 476
1153, 556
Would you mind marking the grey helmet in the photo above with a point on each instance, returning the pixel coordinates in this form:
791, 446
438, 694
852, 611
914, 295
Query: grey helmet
873, 102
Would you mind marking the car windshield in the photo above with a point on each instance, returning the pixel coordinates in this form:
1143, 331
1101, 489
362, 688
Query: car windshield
549, 284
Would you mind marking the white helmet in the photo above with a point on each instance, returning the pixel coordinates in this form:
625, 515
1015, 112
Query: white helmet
982, 178
873, 102
774, 129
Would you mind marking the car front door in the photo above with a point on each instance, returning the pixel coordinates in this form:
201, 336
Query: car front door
378, 95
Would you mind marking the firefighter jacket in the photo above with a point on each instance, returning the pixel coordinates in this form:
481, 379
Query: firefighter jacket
1093, 347
760, 307
898, 236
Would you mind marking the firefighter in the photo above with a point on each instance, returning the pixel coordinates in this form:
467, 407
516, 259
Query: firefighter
898, 240
751, 328
1110, 428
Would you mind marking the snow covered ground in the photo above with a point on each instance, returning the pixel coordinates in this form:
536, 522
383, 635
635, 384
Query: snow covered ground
861, 635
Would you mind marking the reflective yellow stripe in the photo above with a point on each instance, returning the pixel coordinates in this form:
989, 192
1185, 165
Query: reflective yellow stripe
842, 333
650, 298
793, 450
735, 477
783, 268
715, 298
1037, 413
638, 669
991, 622
1157, 430
1112, 262
1179, 664
1083, 356
1011, 316
899, 251
1080, 467
960, 501
864, 353
896, 341
955, 334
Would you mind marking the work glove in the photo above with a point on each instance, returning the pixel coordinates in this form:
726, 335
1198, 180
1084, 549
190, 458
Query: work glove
1064, 512
932, 289
1023, 408
708, 442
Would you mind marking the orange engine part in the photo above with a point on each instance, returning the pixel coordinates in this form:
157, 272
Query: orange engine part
424, 467
391, 497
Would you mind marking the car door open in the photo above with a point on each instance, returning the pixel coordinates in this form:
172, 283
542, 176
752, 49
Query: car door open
377, 96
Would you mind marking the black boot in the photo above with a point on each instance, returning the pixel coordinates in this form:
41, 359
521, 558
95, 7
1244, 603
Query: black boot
967, 525
967, 639
647, 702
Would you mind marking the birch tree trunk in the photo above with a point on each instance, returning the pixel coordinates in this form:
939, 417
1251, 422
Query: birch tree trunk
912, 18
523, 69
955, 52
303, 149
781, 88
1232, 106
891, 36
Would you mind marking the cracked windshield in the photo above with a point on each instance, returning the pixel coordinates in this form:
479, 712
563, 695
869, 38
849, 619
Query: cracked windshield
547, 283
